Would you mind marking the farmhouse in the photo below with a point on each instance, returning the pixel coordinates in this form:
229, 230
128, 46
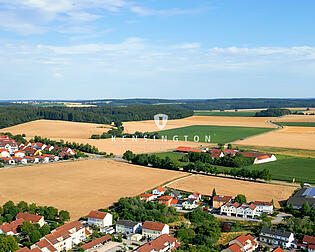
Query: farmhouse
154, 229
128, 227
220, 200
242, 243
163, 243
302, 196
32, 218
11, 228
97, 243
100, 219
277, 237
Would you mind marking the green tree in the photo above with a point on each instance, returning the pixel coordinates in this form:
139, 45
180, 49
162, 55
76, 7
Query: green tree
35, 236
240, 198
306, 209
64, 216
8, 243
44, 230
214, 192
128, 155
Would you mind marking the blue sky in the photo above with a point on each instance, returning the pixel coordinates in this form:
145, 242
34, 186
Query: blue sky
85, 49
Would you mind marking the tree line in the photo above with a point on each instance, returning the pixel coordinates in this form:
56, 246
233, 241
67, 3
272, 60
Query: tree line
16, 114
273, 112
195, 166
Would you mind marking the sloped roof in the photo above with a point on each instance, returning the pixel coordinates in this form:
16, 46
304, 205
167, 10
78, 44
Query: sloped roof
97, 215
29, 217
157, 226
159, 244
100, 240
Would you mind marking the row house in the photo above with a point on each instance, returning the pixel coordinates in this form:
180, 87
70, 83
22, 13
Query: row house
219, 200
235, 209
7, 160
245, 243
19, 160
277, 237
63, 238
165, 242
9, 144
153, 230
307, 243
264, 207
128, 227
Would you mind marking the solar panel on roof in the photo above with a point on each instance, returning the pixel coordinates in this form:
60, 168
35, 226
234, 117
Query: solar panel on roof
310, 192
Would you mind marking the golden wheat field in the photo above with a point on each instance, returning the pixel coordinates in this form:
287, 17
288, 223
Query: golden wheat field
295, 118
79, 186
57, 129
225, 186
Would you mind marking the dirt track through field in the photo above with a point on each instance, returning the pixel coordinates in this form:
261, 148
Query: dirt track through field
79, 186
231, 187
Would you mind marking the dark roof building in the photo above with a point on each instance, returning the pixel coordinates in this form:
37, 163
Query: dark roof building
302, 196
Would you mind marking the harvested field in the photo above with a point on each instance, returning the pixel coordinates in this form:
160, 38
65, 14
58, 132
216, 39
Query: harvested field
295, 118
119, 147
252, 190
79, 186
288, 137
149, 126
57, 129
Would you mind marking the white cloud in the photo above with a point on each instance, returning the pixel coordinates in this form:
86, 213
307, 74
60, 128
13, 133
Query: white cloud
144, 11
57, 75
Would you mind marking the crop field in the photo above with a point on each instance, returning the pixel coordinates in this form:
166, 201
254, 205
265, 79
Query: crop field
252, 190
149, 126
295, 118
297, 124
79, 186
287, 167
288, 137
57, 129
225, 113
218, 134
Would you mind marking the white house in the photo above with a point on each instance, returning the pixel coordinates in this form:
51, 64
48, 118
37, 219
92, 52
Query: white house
154, 229
128, 227
165, 242
5, 153
264, 207
20, 160
277, 237
242, 243
243, 211
51, 157
195, 196
147, 197
100, 219
159, 191
63, 238
189, 204
19, 153
264, 159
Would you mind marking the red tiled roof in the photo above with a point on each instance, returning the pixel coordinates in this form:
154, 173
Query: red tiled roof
254, 154
242, 239
146, 195
167, 198
5, 158
100, 240
97, 215
195, 150
29, 217
161, 189
28, 157
159, 244
309, 239
222, 198
19, 151
42, 243
12, 226
153, 225
235, 248
262, 203
278, 250
252, 206
183, 149
18, 158
196, 194
174, 201
215, 153
48, 155
36, 250
1, 150
25, 249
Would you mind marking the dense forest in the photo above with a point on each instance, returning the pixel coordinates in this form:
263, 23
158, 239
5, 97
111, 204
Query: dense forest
209, 104
16, 114
273, 112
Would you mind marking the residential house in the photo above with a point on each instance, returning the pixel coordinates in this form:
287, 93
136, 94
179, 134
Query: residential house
31, 159
51, 157
176, 194
278, 249
147, 197
165, 200
32, 218
153, 230
26, 249
243, 211
97, 243
11, 228
39, 146
300, 197
165, 242
19, 160
245, 243
220, 200
189, 204
277, 237
43, 159
100, 219
63, 238
264, 207
68, 150
49, 148
174, 203
19, 153
128, 227
216, 153
9, 144
195, 196
5, 153
307, 243
159, 191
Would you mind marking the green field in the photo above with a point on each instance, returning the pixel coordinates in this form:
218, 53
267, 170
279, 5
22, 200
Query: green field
218, 134
298, 124
225, 113
285, 168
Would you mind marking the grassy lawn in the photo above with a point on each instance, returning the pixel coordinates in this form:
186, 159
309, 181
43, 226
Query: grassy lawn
225, 113
299, 124
218, 134
285, 168
288, 167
